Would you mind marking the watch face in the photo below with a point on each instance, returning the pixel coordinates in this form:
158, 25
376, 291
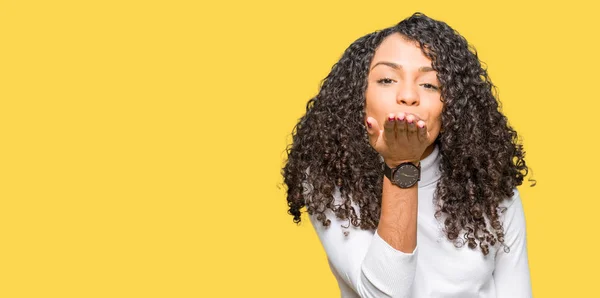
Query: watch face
406, 175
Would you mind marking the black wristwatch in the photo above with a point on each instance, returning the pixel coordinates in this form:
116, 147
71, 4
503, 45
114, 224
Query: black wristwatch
404, 175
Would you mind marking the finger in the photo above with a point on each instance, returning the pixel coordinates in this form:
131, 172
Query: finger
401, 123
422, 131
411, 124
373, 130
389, 133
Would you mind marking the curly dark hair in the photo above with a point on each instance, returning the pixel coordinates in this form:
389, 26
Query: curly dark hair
482, 160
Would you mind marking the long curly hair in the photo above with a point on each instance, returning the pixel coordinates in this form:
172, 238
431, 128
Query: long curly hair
482, 160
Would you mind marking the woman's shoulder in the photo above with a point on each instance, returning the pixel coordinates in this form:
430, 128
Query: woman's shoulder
510, 200
512, 213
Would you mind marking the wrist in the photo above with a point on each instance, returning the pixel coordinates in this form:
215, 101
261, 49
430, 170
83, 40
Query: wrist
393, 164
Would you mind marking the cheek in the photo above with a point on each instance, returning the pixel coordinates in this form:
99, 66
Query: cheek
436, 120
376, 104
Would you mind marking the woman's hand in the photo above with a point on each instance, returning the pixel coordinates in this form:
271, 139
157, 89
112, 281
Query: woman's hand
403, 138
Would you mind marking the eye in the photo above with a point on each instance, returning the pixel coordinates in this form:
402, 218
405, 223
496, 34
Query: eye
385, 81
430, 86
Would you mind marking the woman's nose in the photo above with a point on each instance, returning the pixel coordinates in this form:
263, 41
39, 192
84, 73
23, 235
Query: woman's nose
407, 95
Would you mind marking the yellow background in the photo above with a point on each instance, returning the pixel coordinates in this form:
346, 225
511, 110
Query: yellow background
142, 141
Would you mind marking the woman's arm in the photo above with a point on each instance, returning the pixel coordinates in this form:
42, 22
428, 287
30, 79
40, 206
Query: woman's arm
511, 274
398, 221
404, 138
379, 263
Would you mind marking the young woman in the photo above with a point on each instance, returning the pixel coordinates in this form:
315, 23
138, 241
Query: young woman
408, 170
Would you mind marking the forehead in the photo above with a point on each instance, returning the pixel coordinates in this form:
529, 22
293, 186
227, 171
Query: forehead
395, 48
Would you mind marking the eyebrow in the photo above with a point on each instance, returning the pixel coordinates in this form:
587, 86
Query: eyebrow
397, 66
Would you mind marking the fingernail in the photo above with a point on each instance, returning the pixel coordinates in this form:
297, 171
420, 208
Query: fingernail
391, 118
369, 124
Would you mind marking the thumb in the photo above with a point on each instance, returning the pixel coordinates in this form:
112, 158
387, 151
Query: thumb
373, 130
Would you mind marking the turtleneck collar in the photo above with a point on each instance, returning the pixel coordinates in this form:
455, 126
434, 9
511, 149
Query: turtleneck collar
430, 165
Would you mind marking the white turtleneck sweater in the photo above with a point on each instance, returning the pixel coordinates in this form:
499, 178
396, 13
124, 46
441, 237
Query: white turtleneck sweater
367, 266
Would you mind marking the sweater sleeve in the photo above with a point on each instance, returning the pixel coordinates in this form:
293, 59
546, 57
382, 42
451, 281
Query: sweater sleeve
511, 274
363, 260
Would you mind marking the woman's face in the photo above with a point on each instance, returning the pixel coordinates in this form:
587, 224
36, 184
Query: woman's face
401, 80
